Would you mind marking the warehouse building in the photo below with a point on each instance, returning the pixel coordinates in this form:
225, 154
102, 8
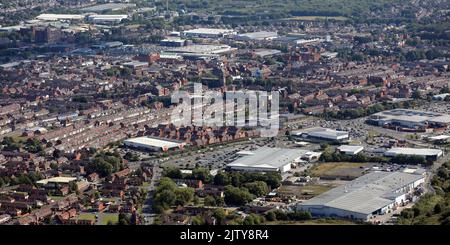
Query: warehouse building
107, 19
258, 36
375, 193
153, 144
429, 154
55, 17
267, 159
350, 149
321, 134
201, 50
410, 119
209, 33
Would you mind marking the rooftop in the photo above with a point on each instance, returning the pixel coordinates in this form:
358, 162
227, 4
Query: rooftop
412, 116
63, 180
413, 151
107, 6
154, 142
266, 157
367, 193
60, 17
209, 31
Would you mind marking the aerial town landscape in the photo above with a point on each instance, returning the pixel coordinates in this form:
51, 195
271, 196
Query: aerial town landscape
359, 92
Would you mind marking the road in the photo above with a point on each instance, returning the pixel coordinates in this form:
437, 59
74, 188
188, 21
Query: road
147, 212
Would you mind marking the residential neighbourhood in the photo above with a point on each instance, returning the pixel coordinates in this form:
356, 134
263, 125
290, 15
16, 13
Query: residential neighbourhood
90, 91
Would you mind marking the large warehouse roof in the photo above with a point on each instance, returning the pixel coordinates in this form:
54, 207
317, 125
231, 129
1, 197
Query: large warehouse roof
152, 142
325, 133
209, 31
413, 151
53, 17
268, 158
366, 194
412, 116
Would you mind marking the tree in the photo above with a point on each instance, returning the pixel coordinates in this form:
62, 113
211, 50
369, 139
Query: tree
222, 178
173, 173
183, 196
253, 219
219, 214
57, 153
257, 188
201, 174
237, 196
273, 179
197, 220
124, 219
437, 208
271, 216
210, 201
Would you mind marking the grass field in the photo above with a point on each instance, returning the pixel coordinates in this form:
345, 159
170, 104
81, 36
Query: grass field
107, 217
339, 169
86, 216
57, 198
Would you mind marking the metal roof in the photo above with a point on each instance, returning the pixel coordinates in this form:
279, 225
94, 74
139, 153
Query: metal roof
266, 157
367, 193
413, 151
152, 142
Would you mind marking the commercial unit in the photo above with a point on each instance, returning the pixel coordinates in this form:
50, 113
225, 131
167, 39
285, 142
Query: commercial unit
410, 119
375, 193
259, 36
173, 42
197, 51
54, 17
153, 144
108, 7
429, 154
209, 33
321, 134
267, 159
350, 149
107, 19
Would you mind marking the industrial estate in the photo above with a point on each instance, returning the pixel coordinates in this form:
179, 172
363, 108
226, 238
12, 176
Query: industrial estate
88, 94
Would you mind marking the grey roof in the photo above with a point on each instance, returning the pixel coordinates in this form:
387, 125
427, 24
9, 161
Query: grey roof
367, 193
412, 116
266, 157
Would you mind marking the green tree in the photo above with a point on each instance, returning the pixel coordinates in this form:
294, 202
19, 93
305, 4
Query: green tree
237, 196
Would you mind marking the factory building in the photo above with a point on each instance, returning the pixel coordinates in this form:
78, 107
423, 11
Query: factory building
267, 159
375, 193
201, 50
429, 154
321, 134
153, 144
412, 119
107, 19
258, 36
209, 33
350, 149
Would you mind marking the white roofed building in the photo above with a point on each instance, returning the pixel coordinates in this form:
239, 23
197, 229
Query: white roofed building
267, 159
209, 32
321, 134
429, 154
350, 149
153, 144
375, 193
